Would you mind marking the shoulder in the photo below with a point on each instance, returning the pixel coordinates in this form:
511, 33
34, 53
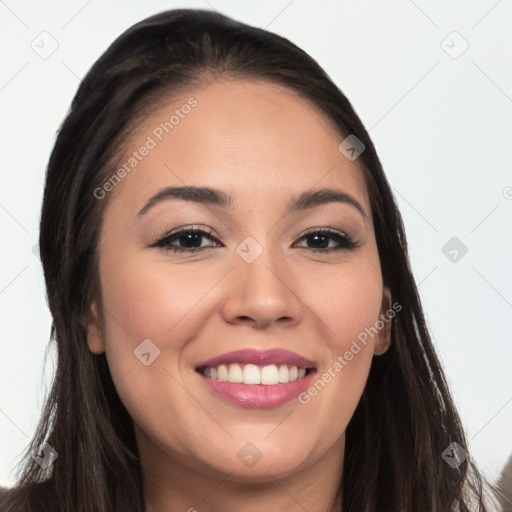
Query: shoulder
35, 497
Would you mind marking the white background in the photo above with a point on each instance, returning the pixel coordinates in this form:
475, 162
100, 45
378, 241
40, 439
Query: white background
442, 127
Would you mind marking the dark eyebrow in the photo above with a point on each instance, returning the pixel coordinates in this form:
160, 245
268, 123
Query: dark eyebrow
312, 198
216, 197
203, 195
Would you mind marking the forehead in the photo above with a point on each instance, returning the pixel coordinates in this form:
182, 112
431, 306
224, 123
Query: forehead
253, 139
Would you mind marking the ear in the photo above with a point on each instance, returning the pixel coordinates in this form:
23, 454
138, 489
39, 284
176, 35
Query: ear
94, 331
383, 339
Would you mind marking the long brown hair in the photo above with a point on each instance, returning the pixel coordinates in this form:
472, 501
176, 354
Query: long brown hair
405, 418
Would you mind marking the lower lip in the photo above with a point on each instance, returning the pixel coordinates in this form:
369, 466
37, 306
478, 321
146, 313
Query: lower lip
258, 395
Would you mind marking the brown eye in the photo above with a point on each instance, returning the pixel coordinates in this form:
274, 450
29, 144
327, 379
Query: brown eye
190, 239
320, 241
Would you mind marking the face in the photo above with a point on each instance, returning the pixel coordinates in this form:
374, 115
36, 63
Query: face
263, 278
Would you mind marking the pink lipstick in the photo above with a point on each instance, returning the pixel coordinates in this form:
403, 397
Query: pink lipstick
258, 379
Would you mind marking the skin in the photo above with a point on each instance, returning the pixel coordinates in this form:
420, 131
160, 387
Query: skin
263, 144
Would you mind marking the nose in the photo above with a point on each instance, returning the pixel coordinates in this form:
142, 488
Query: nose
262, 293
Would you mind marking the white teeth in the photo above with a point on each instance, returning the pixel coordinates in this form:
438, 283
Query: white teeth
252, 374
223, 373
284, 374
235, 373
269, 375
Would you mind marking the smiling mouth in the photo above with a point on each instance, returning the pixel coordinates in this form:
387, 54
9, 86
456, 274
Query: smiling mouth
252, 374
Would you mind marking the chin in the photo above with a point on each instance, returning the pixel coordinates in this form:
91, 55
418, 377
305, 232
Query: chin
258, 462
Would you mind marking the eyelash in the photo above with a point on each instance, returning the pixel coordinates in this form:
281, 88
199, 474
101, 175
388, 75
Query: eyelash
346, 243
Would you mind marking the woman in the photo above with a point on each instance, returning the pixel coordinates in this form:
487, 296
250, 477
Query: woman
227, 271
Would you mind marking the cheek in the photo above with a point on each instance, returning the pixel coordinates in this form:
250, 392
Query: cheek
152, 301
140, 304
347, 302
348, 305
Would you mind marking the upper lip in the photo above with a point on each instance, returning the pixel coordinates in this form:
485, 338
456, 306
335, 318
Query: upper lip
260, 357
